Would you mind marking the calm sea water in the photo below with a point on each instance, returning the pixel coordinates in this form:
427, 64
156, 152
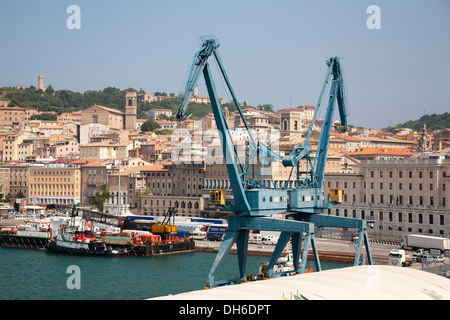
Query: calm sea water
30, 274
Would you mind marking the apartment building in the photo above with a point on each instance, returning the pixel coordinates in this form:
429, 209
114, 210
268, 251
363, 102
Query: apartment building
156, 113
11, 145
18, 177
15, 116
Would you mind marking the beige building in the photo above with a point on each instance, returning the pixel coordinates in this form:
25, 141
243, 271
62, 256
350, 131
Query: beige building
112, 118
55, 183
189, 124
398, 197
15, 116
106, 150
11, 145
18, 179
69, 117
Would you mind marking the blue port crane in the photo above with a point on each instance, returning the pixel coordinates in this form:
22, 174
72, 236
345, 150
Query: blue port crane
256, 197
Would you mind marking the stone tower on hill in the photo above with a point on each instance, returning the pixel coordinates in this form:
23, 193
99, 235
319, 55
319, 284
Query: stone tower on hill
41, 82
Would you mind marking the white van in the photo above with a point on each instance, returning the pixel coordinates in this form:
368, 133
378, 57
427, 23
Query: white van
270, 239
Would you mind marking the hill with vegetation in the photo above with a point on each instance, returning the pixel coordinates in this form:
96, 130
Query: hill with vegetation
433, 122
61, 101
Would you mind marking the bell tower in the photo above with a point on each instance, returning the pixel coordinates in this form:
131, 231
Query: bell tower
130, 111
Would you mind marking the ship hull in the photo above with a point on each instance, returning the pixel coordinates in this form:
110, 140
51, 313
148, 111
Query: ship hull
84, 249
161, 248
17, 241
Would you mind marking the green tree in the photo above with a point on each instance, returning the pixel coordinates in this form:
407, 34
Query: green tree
266, 107
49, 90
44, 116
100, 197
150, 125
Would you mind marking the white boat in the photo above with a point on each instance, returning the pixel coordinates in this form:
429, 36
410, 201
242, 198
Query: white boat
283, 266
33, 234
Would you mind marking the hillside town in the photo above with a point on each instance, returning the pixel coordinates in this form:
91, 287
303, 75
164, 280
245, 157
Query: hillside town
99, 157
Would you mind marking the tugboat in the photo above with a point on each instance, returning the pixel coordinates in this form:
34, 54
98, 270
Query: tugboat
33, 234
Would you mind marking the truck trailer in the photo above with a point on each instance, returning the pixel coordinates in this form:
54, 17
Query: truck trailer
418, 241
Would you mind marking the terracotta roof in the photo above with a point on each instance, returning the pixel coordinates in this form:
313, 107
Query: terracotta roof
139, 168
382, 151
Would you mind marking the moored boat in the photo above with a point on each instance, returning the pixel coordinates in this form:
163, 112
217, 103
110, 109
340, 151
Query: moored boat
76, 238
32, 234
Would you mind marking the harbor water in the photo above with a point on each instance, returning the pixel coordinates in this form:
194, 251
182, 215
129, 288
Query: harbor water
32, 274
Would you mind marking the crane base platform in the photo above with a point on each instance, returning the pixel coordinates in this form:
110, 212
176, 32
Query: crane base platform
296, 227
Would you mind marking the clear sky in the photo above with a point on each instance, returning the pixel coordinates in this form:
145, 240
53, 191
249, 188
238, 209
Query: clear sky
274, 51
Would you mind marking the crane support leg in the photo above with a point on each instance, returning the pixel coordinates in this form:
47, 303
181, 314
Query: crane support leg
321, 220
238, 231
242, 248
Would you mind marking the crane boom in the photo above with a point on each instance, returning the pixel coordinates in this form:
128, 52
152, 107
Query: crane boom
337, 94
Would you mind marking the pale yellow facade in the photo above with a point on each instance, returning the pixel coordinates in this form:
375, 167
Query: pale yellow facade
55, 185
